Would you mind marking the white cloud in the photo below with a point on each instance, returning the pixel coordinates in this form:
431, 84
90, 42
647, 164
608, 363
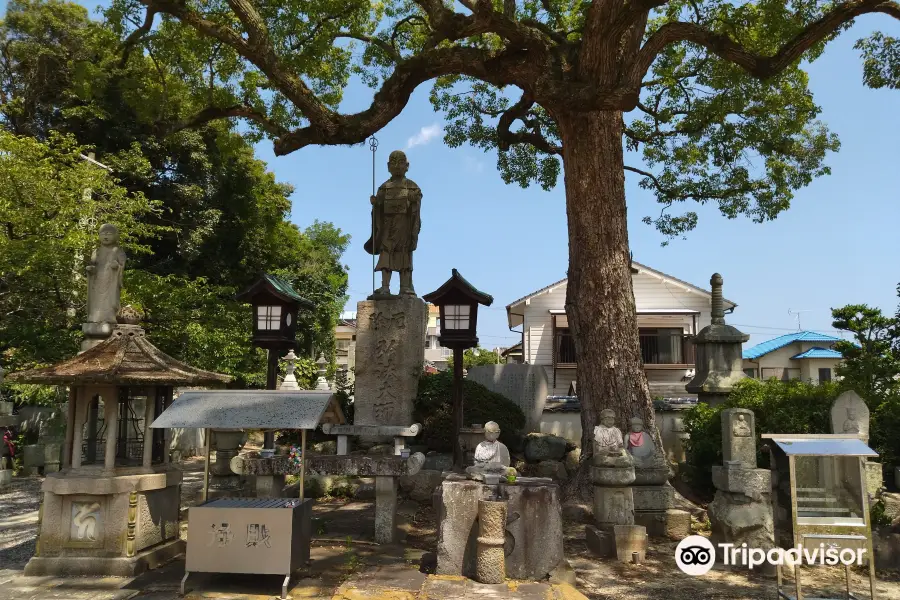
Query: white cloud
425, 135
472, 164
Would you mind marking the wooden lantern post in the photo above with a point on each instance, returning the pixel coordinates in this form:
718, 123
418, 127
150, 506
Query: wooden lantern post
458, 302
275, 306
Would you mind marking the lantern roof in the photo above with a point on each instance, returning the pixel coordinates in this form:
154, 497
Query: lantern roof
458, 283
126, 357
277, 287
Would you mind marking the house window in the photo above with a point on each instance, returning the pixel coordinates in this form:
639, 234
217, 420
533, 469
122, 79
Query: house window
565, 347
268, 318
343, 344
445, 351
750, 373
456, 316
824, 375
428, 343
662, 346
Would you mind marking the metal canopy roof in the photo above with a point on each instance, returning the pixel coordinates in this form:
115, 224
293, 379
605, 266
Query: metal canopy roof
822, 446
250, 409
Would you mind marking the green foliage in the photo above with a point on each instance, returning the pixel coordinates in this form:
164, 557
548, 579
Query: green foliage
872, 360
871, 367
471, 359
779, 407
47, 230
881, 60
218, 218
433, 408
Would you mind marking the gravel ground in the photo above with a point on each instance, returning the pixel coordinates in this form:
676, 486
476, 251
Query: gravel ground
18, 521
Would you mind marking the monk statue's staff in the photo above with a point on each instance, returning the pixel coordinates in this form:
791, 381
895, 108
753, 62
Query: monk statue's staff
373, 146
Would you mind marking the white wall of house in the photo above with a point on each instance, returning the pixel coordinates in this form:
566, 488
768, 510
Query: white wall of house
650, 293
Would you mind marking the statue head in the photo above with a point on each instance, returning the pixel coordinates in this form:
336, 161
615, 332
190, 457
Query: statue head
637, 424
109, 234
740, 417
491, 431
608, 417
397, 163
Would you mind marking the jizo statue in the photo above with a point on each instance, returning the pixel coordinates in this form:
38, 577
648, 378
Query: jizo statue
395, 226
105, 270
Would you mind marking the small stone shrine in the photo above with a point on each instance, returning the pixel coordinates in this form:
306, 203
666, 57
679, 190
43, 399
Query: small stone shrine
741, 511
850, 415
719, 363
390, 328
113, 508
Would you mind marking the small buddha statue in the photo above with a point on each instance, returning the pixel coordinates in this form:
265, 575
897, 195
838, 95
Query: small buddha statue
609, 444
639, 444
491, 455
851, 425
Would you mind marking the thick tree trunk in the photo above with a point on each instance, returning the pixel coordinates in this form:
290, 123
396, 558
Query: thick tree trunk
600, 298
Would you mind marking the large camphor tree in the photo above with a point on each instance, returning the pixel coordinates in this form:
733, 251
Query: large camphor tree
717, 103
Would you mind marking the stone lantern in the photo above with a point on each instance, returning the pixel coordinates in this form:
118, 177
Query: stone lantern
719, 362
113, 508
458, 302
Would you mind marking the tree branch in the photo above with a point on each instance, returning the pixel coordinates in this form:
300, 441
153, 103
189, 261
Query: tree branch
374, 41
761, 67
506, 137
257, 32
136, 35
214, 113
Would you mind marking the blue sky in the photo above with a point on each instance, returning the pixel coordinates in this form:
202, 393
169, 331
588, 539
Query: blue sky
834, 246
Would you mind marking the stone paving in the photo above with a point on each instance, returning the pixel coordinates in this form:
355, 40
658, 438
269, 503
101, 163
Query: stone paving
338, 572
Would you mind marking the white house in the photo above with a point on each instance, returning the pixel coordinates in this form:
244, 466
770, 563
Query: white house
669, 312
806, 355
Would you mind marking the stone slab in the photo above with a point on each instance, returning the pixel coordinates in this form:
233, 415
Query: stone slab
849, 414
653, 497
79, 566
753, 483
739, 436
631, 543
613, 506
526, 385
673, 524
378, 430
389, 358
354, 465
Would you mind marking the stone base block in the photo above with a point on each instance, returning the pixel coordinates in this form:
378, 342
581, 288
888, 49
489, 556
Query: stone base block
269, 486
651, 476
601, 543
653, 497
612, 476
613, 506
5, 477
533, 543
874, 480
79, 566
753, 483
631, 543
673, 524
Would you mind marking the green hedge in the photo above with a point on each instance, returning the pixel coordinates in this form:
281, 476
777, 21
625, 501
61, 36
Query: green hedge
779, 407
433, 408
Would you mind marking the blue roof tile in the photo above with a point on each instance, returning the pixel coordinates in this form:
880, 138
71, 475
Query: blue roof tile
817, 352
783, 340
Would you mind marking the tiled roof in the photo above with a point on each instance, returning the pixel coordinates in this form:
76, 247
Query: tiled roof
817, 352
783, 340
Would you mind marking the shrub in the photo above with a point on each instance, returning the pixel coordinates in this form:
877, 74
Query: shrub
779, 407
433, 408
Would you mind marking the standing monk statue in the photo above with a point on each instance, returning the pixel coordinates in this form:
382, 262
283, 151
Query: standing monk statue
105, 277
395, 226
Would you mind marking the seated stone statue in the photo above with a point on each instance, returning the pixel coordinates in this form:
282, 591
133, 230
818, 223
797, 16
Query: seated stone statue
491, 455
609, 444
641, 446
